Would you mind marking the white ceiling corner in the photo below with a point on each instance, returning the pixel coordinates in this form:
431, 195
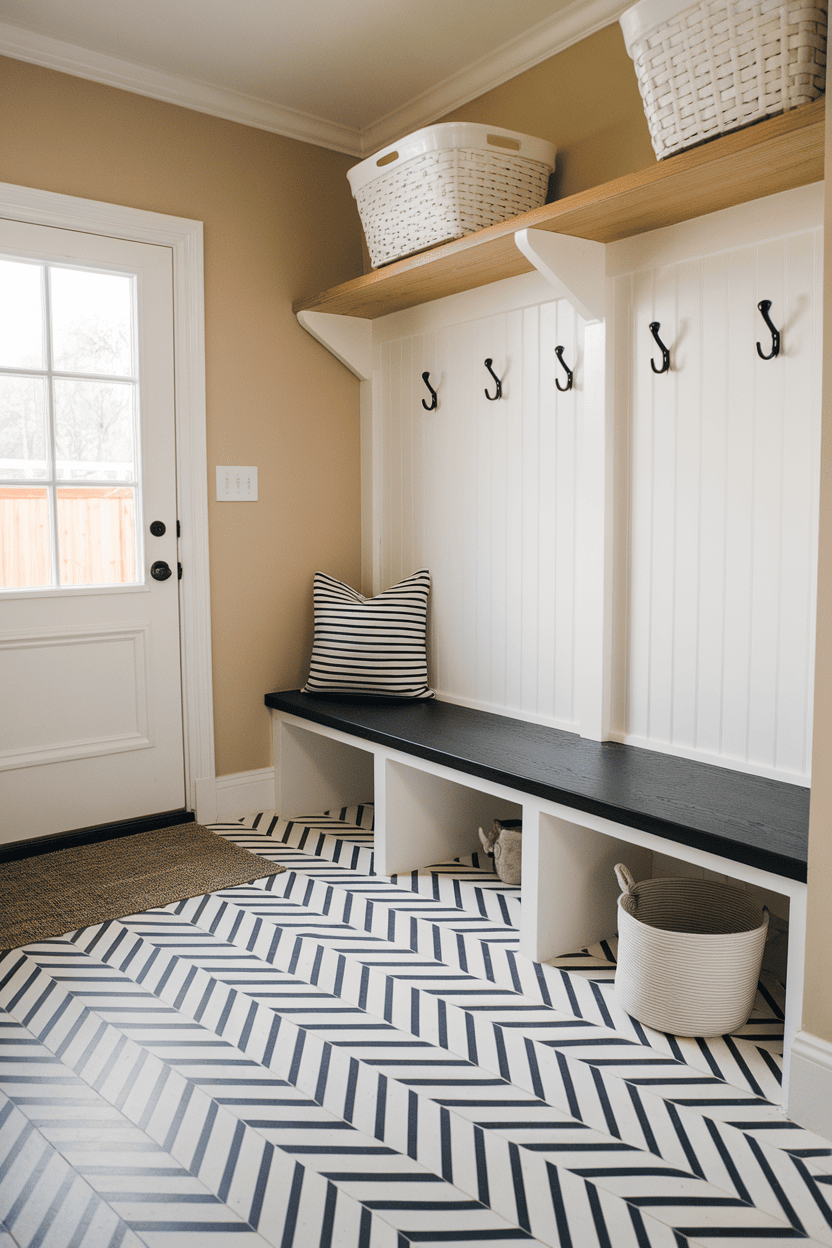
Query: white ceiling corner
559, 32
219, 86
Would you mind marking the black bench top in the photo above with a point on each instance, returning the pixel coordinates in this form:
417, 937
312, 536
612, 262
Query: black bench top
750, 819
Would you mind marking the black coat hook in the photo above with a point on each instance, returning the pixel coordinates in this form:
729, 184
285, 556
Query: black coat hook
568, 370
499, 393
429, 407
654, 330
764, 306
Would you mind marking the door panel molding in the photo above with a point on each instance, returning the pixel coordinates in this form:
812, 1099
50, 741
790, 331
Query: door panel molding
94, 747
35, 753
185, 239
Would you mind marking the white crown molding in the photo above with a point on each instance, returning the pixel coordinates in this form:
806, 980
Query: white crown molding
68, 58
579, 20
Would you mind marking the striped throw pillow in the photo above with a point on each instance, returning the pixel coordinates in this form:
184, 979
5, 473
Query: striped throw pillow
373, 647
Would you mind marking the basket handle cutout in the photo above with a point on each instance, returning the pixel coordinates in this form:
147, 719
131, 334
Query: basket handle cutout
625, 880
500, 140
388, 159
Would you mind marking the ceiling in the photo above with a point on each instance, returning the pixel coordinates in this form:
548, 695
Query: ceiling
352, 75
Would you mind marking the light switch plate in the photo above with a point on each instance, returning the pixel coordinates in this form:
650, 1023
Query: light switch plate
236, 484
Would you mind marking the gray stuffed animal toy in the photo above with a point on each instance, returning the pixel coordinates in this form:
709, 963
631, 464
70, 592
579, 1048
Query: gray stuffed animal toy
504, 843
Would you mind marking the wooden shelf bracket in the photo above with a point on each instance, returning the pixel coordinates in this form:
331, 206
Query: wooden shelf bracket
576, 268
349, 338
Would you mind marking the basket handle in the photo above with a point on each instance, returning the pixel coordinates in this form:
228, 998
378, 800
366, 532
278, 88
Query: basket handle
625, 880
504, 140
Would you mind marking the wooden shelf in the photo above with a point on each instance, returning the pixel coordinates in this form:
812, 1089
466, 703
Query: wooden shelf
774, 155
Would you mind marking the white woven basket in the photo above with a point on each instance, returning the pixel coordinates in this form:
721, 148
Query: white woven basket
707, 68
689, 954
445, 181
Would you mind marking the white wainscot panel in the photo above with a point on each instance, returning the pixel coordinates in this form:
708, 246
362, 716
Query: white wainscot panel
482, 492
70, 694
721, 483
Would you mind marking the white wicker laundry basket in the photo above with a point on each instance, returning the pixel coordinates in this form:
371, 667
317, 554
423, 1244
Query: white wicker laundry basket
717, 65
689, 953
445, 181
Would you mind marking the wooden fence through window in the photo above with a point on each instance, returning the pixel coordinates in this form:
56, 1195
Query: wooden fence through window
96, 536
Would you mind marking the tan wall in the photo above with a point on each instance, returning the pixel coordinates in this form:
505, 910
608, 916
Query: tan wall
279, 222
817, 997
585, 101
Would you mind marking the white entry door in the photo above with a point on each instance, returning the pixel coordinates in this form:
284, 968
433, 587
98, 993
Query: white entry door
90, 686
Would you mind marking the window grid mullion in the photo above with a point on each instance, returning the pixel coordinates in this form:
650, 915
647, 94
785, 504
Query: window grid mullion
51, 450
65, 375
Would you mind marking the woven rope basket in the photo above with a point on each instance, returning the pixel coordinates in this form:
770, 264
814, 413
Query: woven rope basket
446, 181
689, 954
704, 69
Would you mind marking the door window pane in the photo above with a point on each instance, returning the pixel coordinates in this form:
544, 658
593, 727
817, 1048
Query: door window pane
24, 537
69, 409
93, 430
22, 428
21, 315
92, 322
96, 535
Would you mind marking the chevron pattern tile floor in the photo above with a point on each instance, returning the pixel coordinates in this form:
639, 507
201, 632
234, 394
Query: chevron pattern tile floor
330, 1058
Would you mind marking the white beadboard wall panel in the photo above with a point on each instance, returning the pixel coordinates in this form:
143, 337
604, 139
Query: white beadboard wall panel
712, 505
718, 461
482, 492
527, 629
768, 450
688, 430
622, 310
661, 409
714, 501
739, 511
558, 493
800, 500
636, 670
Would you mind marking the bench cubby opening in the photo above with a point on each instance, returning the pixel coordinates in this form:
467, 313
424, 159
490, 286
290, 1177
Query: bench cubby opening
423, 818
318, 770
569, 885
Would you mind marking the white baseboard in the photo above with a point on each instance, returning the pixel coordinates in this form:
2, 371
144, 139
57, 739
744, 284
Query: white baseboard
228, 797
810, 1084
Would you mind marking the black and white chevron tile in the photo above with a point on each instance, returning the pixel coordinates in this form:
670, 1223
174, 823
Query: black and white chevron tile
328, 1057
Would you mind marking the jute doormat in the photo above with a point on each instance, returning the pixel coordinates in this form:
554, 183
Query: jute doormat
50, 894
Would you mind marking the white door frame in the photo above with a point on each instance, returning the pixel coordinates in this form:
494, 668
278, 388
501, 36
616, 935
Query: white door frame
184, 237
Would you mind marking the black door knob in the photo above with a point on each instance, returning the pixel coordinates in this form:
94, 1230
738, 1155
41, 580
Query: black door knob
157, 528
160, 571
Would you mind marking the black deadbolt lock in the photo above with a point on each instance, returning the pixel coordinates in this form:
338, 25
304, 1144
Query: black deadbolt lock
157, 528
160, 571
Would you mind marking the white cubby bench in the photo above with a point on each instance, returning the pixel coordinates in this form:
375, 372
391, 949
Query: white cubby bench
437, 770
